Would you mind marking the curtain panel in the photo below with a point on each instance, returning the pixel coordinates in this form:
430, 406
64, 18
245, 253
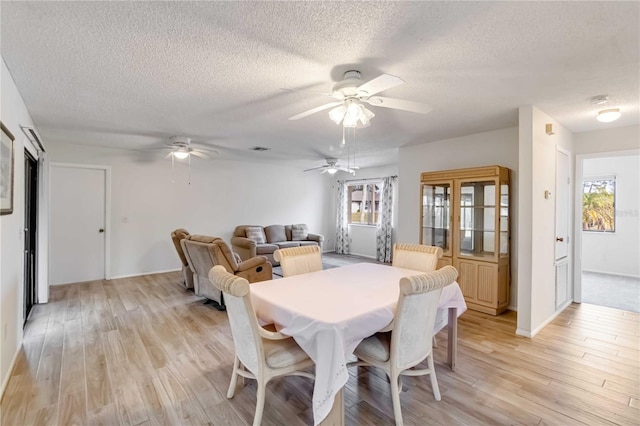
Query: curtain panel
384, 229
342, 223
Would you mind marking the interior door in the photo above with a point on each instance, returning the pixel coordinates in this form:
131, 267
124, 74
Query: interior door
563, 198
30, 231
563, 192
77, 224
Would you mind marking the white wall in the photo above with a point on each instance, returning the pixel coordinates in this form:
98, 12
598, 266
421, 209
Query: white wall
363, 237
13, 113
498, 147
536, 222
607, 140
222, 195
618, 252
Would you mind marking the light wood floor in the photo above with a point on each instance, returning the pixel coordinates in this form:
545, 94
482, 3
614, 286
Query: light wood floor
146, 351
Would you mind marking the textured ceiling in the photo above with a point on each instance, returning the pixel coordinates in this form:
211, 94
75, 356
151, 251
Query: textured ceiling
132, 74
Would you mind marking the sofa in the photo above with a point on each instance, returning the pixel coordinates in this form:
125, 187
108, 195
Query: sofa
204, 252
252, 240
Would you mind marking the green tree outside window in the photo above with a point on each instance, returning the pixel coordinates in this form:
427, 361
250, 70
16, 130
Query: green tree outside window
598, 205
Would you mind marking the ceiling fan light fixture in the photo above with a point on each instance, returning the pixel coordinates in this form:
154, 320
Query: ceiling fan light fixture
181, 154
332, 170
337, 114
608, 115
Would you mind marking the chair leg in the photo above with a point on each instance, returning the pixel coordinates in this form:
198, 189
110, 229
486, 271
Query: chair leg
435, 342
395, 398
434, 380
257, 417
234, 378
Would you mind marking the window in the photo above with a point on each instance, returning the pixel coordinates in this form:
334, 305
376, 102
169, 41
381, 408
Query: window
598, 204
364, 202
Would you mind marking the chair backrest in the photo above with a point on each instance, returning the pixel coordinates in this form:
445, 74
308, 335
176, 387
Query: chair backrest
416, 256
416, 310
242, 317
204, 252
299, 260
176, 236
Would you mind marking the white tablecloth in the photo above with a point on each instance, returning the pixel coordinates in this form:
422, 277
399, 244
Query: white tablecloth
329, 312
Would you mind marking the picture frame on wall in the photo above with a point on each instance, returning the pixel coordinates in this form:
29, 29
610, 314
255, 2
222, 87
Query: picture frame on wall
6, 170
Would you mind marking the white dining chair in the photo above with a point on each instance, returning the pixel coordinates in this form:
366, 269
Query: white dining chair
260, 354
416, 256
299, 260
409, 341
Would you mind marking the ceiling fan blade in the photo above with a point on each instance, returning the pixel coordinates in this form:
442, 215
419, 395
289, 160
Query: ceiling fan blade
378, 84
200, 155
402, 104
169, 155
316, 168
314, 110
324, 171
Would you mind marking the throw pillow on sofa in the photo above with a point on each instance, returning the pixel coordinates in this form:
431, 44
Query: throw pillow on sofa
256, 234
299, 232
275, 233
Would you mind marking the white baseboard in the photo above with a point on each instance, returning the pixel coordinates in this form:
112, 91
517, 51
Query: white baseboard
611, 273
535, 331
5, 382
145, 273
512, 308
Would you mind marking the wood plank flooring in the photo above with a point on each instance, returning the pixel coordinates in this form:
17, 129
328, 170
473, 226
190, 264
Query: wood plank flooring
144, 351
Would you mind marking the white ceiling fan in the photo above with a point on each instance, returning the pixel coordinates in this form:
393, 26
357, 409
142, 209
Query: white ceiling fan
352, 93
332, 167
181, 147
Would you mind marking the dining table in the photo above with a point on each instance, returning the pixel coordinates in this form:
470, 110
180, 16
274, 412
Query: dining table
329, 312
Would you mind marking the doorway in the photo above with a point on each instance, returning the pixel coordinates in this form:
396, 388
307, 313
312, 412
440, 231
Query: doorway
607, 229
79, 249
30, 233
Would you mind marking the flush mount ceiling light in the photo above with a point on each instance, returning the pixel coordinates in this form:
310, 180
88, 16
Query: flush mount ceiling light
608, 115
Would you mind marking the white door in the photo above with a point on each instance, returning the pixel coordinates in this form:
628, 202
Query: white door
563, 198
563, 192
77, 224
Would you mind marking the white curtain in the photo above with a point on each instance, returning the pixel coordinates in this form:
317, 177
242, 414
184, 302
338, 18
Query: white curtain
385, 220
342, 223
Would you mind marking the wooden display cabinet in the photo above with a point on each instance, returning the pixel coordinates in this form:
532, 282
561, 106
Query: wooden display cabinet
467, 213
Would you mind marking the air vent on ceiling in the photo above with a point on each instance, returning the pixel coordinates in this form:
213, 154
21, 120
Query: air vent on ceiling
33, 137
259, 148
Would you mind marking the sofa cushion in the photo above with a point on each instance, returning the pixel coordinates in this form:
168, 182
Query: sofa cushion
256, 233
275, 233
299, 232
266, 248
287, 244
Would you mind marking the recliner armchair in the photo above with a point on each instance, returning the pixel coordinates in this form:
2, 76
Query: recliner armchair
204, 252
177, 236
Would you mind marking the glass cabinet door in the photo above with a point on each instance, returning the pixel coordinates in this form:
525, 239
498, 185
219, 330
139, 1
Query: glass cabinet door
477, 204
435, 222
504, 220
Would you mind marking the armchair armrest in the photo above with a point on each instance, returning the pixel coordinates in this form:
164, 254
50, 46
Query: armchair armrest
245, 247
252, 263
243, 242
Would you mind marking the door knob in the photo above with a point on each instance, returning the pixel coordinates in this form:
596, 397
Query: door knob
101, 230
559, 239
